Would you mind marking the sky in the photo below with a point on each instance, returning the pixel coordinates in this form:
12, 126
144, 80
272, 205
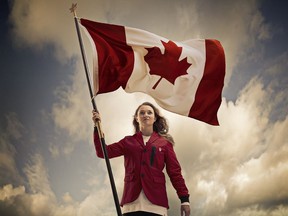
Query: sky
48, 164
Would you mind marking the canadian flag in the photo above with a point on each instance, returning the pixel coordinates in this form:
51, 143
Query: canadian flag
183, 77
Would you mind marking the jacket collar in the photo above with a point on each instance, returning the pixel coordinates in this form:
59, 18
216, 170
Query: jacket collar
154, 136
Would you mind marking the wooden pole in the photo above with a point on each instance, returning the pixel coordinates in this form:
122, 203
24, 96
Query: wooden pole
98, 123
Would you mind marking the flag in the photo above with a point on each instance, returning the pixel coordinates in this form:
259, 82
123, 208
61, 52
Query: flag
183, 77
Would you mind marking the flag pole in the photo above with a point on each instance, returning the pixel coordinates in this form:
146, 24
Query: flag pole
98, 123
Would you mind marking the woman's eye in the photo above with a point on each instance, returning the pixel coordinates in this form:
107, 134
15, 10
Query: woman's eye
145, 112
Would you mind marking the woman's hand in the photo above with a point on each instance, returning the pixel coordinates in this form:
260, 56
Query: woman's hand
95, 117
185, 210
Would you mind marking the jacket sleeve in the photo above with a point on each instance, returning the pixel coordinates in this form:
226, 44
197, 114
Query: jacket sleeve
173, 169
113, 150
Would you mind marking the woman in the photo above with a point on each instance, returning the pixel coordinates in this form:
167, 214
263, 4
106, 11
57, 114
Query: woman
146, 153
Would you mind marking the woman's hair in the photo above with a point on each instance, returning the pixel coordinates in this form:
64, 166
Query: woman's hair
160, 125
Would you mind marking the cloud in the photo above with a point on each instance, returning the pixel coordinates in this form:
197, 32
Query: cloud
275, 78
38, 198
242, 163
8, 191
103, 206
10, 133
238, 25
41, 23
37, 176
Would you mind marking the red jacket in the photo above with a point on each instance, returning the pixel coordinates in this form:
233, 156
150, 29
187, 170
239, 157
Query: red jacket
144, 166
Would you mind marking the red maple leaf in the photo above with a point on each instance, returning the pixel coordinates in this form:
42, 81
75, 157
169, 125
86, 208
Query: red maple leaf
166, 65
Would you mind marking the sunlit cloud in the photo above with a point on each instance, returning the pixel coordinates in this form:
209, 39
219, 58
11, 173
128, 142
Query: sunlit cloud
7, 192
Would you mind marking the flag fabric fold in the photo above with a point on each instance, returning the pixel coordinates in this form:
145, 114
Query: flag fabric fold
183, 77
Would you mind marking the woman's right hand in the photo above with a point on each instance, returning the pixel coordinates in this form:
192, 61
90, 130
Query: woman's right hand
95, 116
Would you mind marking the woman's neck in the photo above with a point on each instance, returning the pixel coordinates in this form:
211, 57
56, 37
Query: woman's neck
146, 131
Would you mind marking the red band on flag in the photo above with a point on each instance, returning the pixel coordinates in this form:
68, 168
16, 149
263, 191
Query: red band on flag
115, 57
208, 95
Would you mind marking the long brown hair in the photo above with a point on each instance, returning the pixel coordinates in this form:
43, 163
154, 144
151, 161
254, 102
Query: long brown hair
160, 125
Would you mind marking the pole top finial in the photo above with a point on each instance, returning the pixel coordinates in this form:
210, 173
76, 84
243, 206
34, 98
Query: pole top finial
73, 9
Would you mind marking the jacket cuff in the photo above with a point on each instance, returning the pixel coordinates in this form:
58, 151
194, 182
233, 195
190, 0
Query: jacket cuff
184, 199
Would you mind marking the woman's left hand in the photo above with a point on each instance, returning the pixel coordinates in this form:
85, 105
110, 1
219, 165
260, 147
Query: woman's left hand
185, 210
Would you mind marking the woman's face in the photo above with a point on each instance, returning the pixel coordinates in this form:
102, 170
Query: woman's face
145, 116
